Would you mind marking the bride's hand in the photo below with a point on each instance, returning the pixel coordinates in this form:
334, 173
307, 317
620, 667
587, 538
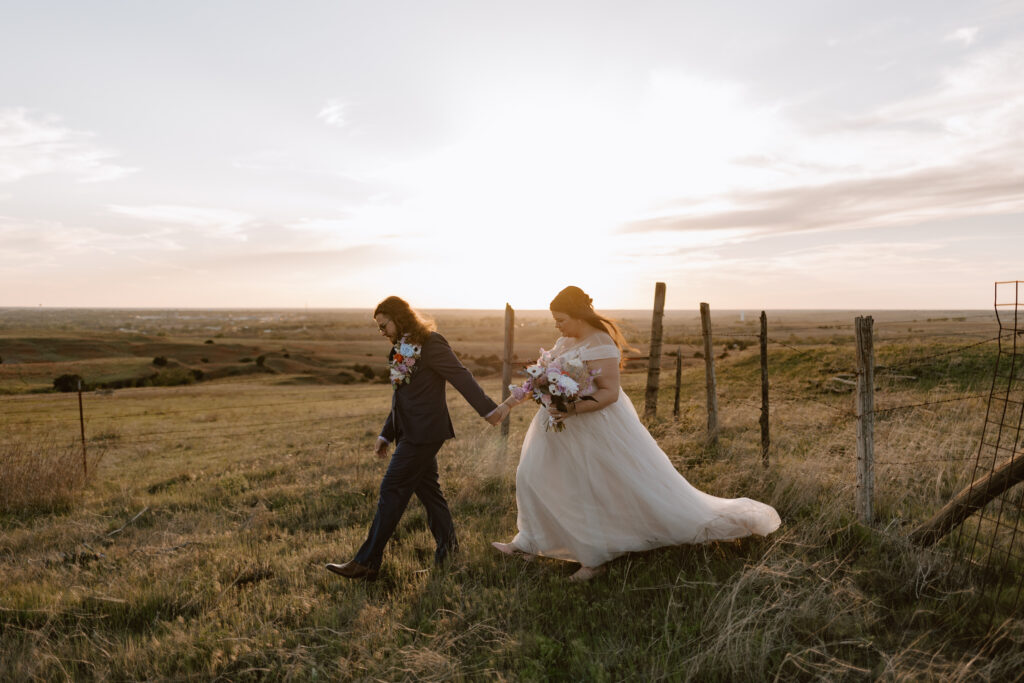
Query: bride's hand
556, 414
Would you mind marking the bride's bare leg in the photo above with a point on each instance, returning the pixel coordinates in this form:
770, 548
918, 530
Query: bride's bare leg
587, 573
510, 549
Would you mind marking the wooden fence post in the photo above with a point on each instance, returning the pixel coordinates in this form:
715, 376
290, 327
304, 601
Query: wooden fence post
865, 419
709, 373
765, 437
506, 363
654, 356
679, 380
81, 422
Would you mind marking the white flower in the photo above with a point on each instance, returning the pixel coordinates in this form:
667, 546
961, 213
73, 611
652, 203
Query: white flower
568, 385
535, 371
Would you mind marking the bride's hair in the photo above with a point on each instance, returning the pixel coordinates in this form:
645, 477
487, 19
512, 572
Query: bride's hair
575, 303
408, 321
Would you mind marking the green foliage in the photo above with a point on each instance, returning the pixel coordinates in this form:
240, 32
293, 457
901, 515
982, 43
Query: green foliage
173, 377
69, 382
365, 370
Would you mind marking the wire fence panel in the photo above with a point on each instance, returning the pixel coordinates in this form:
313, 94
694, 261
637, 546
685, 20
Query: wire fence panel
992, 540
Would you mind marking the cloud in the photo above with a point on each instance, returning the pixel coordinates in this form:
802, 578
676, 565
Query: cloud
862, 203
957, 150
350, 258
31, 144
26, 243
333, 113
966, 35
224, 223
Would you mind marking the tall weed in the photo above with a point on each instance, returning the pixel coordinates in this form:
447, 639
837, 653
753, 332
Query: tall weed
39, 474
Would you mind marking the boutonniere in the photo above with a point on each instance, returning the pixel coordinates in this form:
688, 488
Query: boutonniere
403, 361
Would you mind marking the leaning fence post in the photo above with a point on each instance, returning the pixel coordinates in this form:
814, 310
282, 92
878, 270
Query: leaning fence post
506, 363
765, 437
709, 373
679, 380
865, 409
654, 357
81, 423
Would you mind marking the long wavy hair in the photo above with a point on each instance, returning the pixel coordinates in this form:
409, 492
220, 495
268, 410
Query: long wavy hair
408, 321
575, 303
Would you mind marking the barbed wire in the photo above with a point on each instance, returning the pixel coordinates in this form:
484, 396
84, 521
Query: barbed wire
227, 430
958, 318
904, 463
161, 413
879, 411
916, 361
793, 348
922, 337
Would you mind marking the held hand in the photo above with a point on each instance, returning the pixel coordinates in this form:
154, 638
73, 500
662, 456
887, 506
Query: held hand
498, 414
381, 448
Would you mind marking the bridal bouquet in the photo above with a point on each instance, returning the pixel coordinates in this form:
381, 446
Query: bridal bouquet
556, 382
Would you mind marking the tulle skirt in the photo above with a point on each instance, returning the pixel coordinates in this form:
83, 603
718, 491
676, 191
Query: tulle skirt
603, 487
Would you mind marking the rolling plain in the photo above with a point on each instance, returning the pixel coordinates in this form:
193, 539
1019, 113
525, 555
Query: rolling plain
227, 459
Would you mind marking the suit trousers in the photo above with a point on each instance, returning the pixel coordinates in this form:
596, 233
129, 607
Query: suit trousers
413, 469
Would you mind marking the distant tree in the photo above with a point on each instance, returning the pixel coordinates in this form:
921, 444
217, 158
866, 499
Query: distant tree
365, 370
67, 382
260, 360
208, 341
160, 361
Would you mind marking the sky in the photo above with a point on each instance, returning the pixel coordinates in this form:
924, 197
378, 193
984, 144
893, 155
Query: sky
255, 153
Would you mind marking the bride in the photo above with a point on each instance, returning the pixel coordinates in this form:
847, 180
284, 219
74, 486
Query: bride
603, 487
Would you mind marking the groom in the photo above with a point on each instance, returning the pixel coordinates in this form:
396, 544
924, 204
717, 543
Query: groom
421, 362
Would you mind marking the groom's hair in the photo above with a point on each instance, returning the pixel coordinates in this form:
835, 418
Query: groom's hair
408, 321
575, 303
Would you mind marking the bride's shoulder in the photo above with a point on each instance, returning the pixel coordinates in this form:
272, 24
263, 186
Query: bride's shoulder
601, 339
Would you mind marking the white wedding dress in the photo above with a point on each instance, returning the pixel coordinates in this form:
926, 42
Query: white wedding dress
603, 487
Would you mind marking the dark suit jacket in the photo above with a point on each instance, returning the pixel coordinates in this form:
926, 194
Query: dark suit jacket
419, 409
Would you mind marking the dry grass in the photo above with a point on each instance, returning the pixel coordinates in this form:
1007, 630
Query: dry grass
41, 473
197, 551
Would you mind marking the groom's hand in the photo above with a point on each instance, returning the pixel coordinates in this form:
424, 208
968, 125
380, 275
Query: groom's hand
381, 449
498, 414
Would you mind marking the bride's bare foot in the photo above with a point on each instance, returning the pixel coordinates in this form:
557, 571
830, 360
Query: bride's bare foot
510, 549
587, 573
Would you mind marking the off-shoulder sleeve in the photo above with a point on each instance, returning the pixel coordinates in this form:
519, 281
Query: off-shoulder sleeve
601, 348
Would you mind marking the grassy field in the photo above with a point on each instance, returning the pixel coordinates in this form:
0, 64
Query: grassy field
195, 548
